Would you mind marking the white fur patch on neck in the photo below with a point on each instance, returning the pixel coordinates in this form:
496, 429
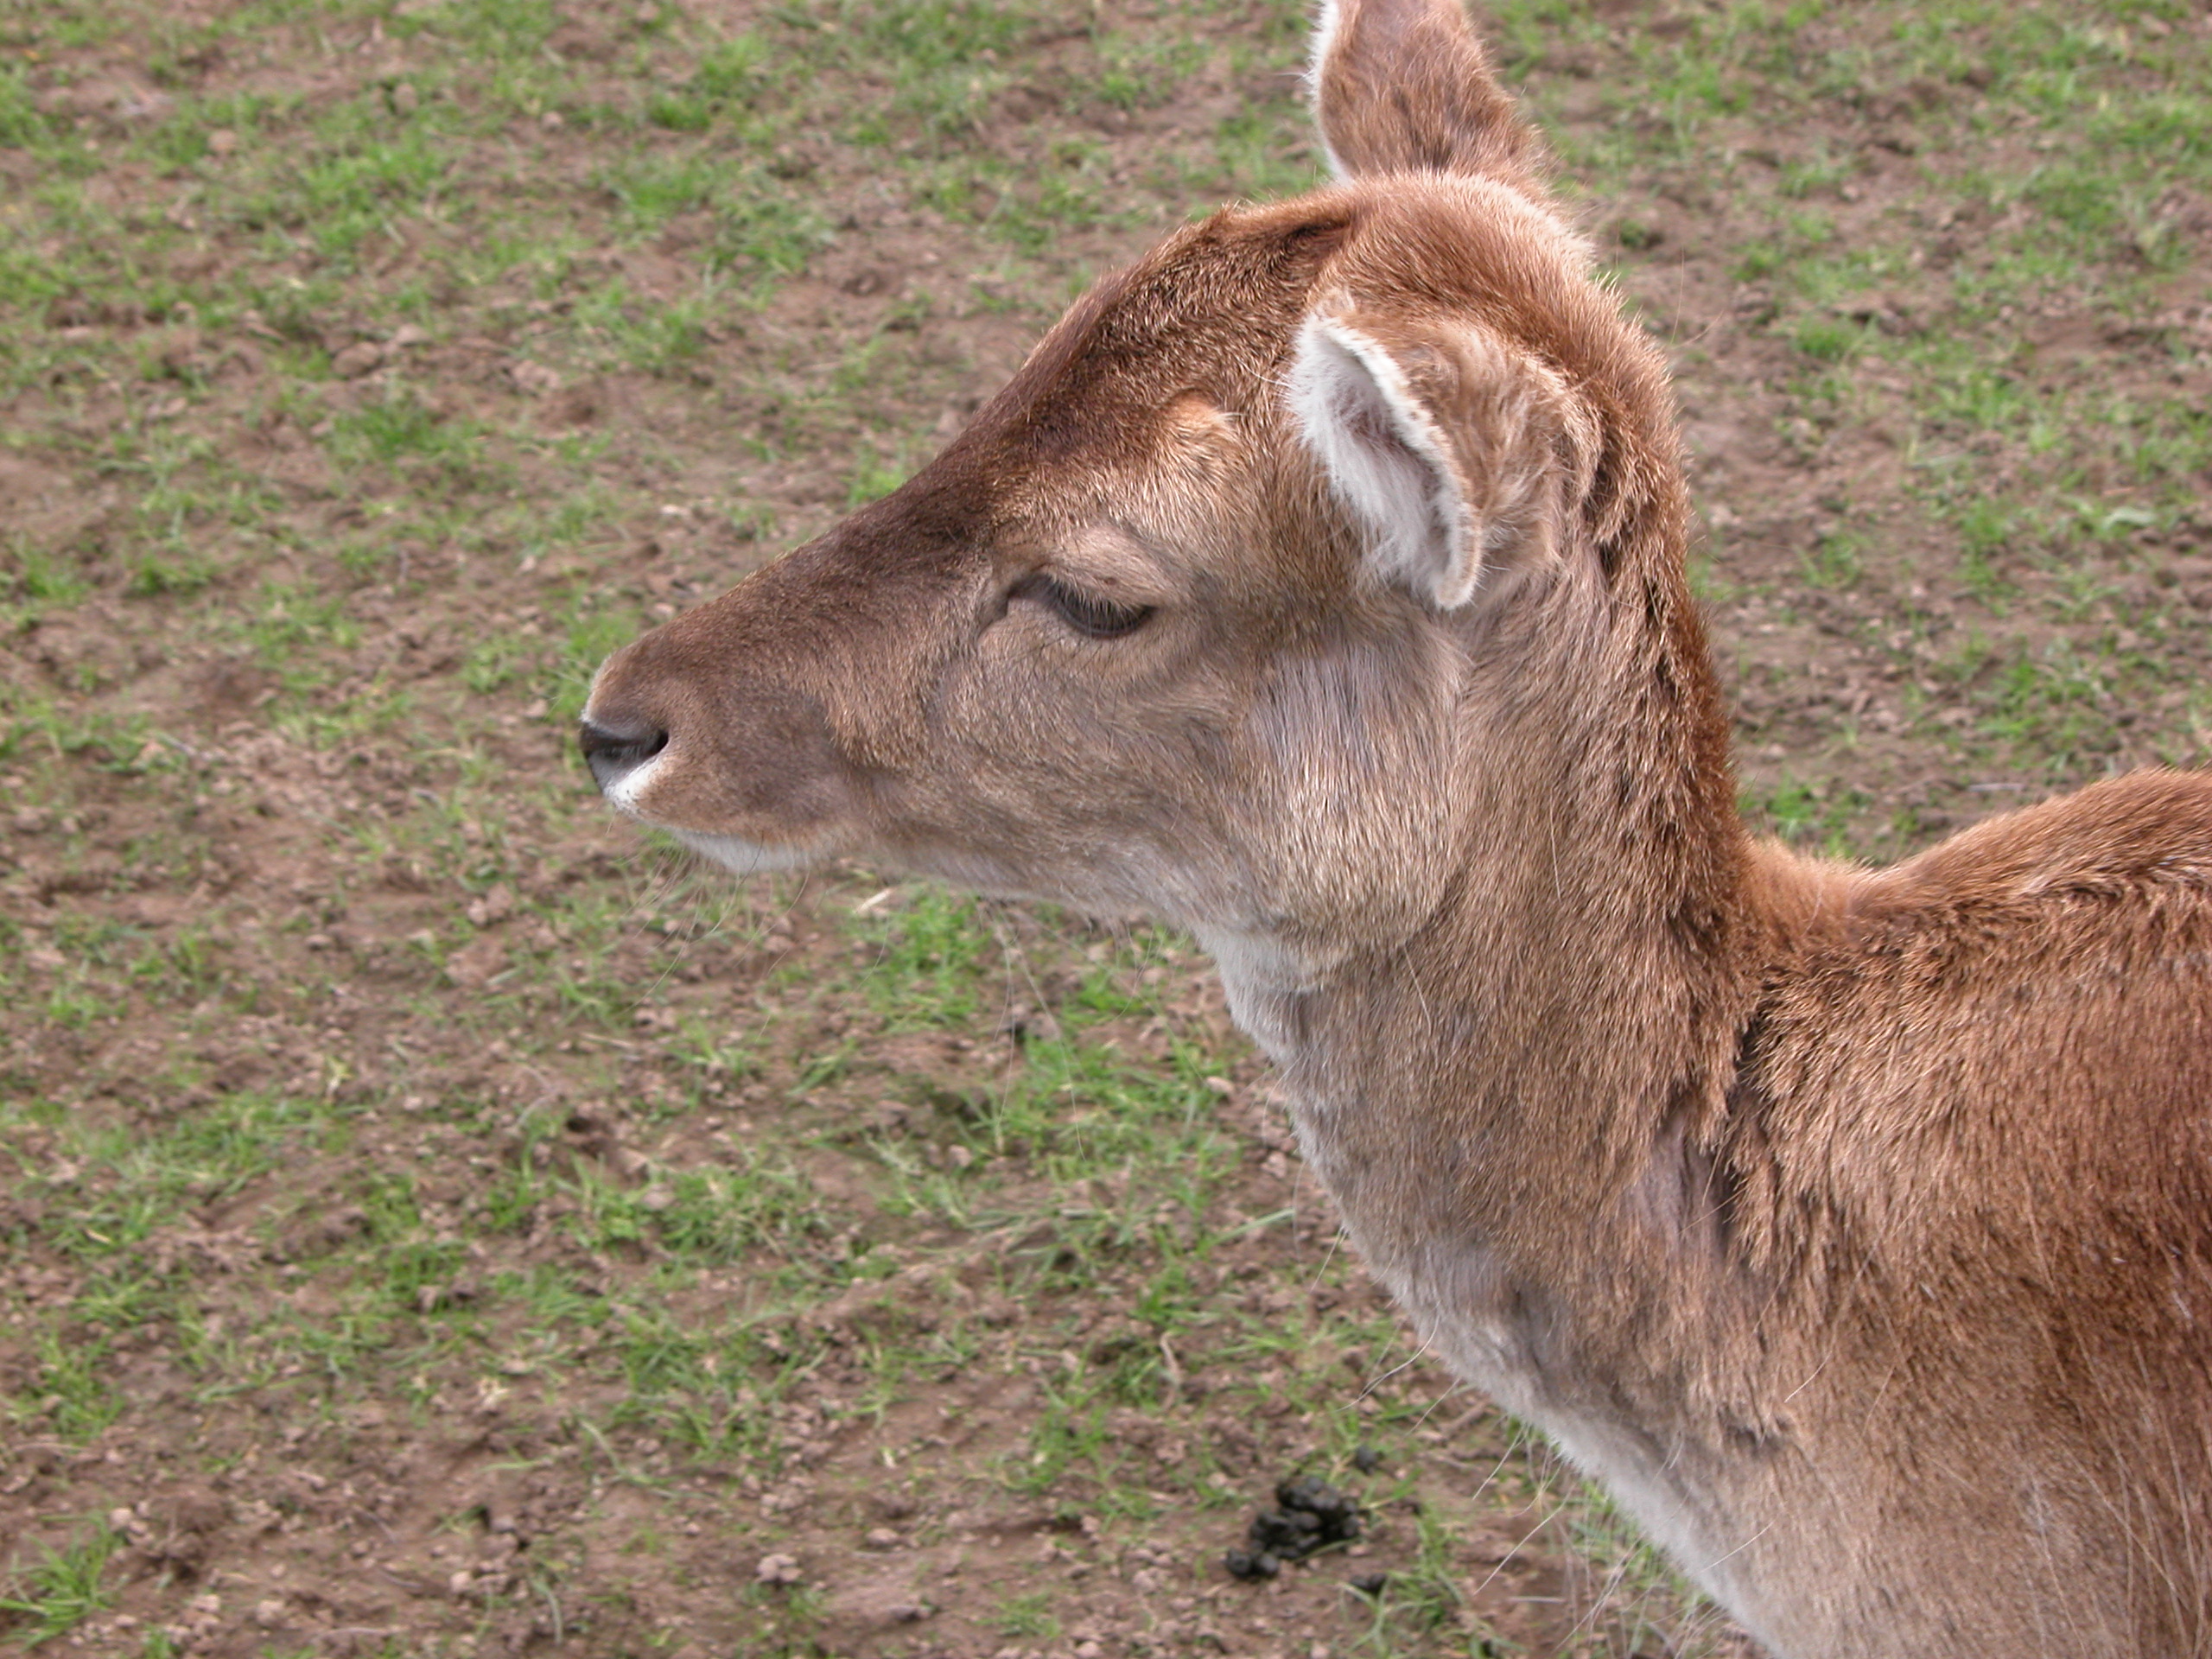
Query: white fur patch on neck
1387, 460
1259, 975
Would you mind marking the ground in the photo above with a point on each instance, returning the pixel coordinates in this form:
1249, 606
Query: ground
436, 1221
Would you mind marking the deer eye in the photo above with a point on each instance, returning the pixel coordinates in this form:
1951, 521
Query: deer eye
1088, 614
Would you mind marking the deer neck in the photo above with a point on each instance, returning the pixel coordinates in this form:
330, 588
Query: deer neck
1511, 1108
1508, 1101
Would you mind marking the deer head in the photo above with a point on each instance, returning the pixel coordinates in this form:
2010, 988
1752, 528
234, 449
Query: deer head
1280, 544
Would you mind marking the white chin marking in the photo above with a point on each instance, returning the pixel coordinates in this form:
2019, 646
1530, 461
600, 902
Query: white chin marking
746, 857
731, 852
622, 794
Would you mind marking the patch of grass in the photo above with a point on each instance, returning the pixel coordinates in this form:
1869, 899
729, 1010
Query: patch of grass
713, 1393
730, 73
1828, 340
397, 425
933, 958
32, 723
70, 1390
659, 338
33, 579
1425, 1602
1811, 814
762, 234
1838, 560
1140, 72
339, 199
64, 1588
2051, 709
24, 125
590, 632
496, 661
875, 477
1029, 1614
710, 1216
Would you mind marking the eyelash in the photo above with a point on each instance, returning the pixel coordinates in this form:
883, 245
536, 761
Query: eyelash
1088, 614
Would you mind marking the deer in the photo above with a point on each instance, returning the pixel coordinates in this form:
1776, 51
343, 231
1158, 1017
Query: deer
1317, 586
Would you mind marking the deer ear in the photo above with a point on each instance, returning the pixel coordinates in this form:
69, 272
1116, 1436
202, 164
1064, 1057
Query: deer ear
1448, 448
1404, 86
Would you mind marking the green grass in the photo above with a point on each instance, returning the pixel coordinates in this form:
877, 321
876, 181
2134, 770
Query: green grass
62, 1589
1423, 1606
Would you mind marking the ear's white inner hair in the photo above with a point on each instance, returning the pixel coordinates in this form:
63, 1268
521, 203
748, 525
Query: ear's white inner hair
1389, 464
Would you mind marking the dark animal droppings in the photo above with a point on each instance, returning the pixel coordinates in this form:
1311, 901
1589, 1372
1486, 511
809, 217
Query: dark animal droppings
1336, 1514
1244, 1564
1309, 1514
1367, 1459
1370, 1584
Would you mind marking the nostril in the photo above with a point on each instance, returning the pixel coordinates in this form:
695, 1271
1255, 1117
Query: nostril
613, 751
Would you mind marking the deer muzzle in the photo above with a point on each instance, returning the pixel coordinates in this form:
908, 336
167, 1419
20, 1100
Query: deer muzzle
695, 729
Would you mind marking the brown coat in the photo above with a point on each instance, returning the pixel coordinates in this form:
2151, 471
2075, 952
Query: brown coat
1318, 585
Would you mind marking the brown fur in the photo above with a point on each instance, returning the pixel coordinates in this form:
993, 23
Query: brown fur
1853, 1226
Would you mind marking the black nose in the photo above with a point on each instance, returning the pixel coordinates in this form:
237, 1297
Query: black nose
613, 751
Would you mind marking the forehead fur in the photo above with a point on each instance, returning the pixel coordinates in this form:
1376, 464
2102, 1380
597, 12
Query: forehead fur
1214, 314
1211, 311
1216, 308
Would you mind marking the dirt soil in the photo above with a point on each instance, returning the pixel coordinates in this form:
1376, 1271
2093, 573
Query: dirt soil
434, 1221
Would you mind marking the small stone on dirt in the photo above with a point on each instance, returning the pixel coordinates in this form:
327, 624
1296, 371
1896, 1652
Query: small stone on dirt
533, 379
1370, 1584
495, 906
778, 1569
361, 358
1367, 1459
